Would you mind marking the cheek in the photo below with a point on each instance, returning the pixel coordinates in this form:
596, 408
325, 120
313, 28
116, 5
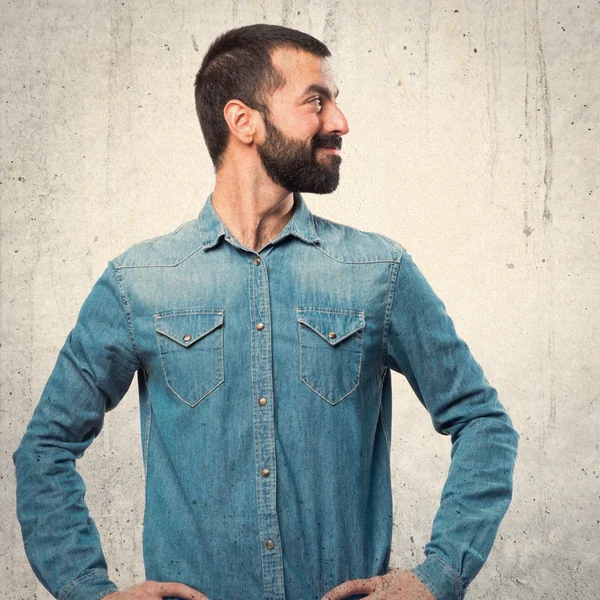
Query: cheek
303, 127
307, 124
313, 123
311, 130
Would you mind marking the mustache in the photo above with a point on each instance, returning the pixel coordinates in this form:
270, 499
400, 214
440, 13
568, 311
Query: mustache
329, 141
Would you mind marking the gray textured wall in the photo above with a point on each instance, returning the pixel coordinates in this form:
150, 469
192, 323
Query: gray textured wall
473, 142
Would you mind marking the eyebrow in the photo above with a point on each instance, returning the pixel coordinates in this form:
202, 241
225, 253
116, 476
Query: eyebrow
315, 87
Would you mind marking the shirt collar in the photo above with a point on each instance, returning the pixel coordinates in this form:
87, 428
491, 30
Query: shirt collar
301, 225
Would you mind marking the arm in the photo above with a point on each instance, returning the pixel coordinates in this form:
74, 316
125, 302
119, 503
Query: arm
422, 344
93, 371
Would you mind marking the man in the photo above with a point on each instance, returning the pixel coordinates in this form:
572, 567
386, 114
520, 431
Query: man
263, 337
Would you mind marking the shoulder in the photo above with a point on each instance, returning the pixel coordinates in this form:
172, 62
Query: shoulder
351, 244
165, 250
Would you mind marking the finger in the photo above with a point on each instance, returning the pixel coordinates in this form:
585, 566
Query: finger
380, 594
171, 588
354, 586
383, 590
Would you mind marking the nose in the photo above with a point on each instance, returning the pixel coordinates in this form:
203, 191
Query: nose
336, 121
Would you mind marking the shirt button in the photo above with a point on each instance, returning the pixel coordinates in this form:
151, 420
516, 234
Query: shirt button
260, 326
270, 544
262, 401
265, 472
187, 337
332, 335
257, 261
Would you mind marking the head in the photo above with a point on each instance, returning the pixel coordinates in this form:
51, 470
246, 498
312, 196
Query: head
271, 89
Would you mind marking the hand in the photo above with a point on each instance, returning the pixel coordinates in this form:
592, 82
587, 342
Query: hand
396, 584
157, 590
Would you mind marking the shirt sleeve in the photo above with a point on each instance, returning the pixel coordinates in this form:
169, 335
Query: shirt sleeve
423, 345
92, 373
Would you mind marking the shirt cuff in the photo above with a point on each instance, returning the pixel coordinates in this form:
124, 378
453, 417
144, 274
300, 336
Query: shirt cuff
93, 585
441, 579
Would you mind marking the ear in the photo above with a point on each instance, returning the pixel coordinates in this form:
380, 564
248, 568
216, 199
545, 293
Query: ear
243, 121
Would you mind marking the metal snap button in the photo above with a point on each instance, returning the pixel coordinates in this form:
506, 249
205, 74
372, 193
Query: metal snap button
270, 544
265, 472
257, 261
332, 335
260, 326
187, 337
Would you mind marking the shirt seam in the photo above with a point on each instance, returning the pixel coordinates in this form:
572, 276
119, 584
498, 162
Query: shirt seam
162, 265
75, 582
148, 429
386, 435
356, 262
451, 574
128, 313
392, 283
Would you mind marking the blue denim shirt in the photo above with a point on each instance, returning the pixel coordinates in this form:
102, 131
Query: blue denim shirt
265, 404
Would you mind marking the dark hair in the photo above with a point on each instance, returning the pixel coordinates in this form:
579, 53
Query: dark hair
238, 65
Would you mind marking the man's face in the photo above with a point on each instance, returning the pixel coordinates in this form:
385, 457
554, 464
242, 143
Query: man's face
294, 153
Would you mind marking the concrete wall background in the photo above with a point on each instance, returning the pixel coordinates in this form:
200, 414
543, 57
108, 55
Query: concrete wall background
473, 141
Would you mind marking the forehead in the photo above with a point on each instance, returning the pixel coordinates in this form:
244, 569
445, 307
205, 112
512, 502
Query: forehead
302, 69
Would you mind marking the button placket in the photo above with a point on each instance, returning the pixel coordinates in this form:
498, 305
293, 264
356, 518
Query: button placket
264, 430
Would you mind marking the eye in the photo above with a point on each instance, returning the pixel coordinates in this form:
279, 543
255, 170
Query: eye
320, 100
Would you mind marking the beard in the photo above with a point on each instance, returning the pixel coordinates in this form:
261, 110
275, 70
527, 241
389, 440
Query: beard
295, 167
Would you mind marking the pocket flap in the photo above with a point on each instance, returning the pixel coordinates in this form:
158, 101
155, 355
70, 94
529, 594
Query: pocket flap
333, 325
188, 327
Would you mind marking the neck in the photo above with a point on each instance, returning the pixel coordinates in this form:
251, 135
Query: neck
252, 207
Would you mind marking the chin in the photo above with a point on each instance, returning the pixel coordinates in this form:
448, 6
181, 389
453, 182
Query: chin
320, 189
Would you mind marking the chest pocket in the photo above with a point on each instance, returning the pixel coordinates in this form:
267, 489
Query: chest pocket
331, 346
190, 344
